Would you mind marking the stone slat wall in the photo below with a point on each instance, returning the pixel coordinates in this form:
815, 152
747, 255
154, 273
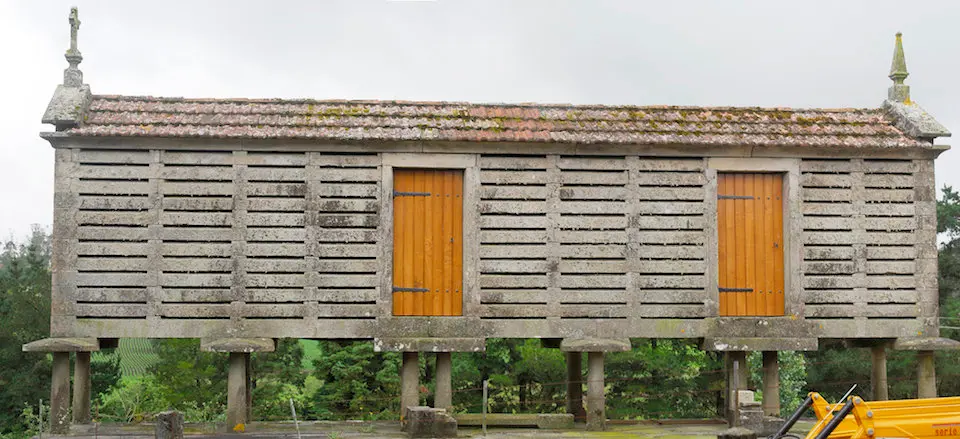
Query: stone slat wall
186, 243
180, 235
598, 238
860, 222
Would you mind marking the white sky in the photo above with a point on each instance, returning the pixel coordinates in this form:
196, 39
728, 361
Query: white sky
740, 53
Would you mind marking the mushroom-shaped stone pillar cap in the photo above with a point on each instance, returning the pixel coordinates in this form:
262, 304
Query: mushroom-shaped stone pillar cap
926, 344
245, 345
63, 344
595, 345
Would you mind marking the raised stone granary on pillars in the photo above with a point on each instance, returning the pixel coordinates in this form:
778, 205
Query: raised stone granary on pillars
432, 226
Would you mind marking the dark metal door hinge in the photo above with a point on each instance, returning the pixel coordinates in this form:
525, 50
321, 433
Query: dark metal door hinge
735, 197
410, 290
736, 290
411, 194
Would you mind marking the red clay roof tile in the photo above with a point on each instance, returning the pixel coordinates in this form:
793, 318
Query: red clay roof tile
136, 116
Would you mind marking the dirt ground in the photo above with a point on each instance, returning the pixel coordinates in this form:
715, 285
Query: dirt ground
370, 430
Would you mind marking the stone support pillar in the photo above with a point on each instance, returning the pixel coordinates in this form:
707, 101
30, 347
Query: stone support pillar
60, 380
239, 374
60, 394
575, 386
443, 399
81, 388
878, 373
409, 382
596, 402
771, 383
926, 375
595, 348
237, 390
733, 385
249, 386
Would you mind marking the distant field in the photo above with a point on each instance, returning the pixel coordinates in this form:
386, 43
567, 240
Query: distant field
137, 355
311, 350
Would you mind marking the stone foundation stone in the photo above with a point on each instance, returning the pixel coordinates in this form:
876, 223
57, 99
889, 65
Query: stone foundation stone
169, 425
555, 421
429, 422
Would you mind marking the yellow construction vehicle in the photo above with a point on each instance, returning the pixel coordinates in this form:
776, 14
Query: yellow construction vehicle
859, 419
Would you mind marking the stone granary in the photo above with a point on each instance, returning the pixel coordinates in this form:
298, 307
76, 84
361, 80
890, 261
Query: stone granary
429, 227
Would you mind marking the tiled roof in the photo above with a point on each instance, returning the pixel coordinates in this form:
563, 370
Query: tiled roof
125, 116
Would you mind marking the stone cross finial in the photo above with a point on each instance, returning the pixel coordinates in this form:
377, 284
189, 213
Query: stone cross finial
72, 76
74, 26
898, 92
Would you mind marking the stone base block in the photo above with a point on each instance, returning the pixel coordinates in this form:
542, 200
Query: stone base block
770, 425
169, 425
747, 344
737, 433
760, 327
429, 344
429, 422
555, 421
751, 417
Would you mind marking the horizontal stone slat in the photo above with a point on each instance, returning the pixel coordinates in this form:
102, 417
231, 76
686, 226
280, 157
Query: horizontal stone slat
513, 192
511, 162
112, 156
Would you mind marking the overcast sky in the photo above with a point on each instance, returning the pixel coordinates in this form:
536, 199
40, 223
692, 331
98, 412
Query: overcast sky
740, 53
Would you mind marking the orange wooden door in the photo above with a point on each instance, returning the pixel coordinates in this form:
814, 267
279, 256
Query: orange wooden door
427, 242
750, 229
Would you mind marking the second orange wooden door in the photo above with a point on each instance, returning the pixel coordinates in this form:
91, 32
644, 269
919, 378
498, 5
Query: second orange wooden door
427, 242
750, 231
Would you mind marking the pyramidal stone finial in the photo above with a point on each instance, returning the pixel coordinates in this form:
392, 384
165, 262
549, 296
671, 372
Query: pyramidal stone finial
72, 76
898, 92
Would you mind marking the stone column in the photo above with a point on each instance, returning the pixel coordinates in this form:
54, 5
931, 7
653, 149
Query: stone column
237, 390
878, 373
249, 386
239, 373
596, 402
575, 385
739, 357
771, 383
60, 393
443, 399
409, 382
81, 388
926, 375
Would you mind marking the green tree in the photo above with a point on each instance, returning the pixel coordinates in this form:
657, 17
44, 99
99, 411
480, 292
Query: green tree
25, 310
793, 378
278, 377
948, 226
664, 379
357, 382
191, 380
104, 374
